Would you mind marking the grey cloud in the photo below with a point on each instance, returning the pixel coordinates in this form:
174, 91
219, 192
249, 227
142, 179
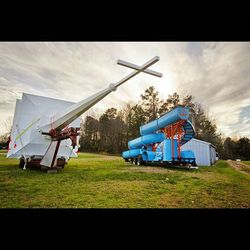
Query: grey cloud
217, 74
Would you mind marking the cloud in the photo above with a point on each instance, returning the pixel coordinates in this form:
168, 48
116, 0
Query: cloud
220, 79
217, 74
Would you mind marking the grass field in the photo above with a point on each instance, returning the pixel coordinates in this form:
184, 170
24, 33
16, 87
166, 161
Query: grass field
99, 181
246, 162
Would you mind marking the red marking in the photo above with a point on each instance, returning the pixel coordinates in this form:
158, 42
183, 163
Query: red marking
66, 133
154, 147
15, 145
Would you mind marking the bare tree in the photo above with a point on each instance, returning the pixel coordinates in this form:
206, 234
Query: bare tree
7, 125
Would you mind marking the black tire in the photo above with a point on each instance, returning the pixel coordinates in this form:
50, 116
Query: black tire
139, 161
134, 161
61, 162
21, 163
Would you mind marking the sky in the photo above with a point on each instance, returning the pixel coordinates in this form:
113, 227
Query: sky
217, 74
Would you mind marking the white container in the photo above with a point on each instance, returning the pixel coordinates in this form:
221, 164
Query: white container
205, 152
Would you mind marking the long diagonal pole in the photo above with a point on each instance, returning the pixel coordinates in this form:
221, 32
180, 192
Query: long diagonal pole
65, 117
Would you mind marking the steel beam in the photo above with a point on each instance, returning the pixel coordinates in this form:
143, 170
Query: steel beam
136, 67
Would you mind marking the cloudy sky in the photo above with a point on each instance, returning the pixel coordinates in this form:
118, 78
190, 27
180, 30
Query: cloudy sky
216, 74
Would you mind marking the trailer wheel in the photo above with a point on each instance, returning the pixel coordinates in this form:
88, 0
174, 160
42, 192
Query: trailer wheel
139, 161
21, 162
61, 162
134, 161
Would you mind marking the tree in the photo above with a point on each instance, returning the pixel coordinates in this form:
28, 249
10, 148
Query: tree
120, 140
127, 116
237, 149
229, 148
89, 139
198, 119
7, 124
188, 102
4, 138
112, 131
171, 102
205, 129
150, 103
243, 148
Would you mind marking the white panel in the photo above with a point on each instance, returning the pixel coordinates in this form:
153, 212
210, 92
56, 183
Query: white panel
25, 135
48, 157
201, 151
26, 120
48, 107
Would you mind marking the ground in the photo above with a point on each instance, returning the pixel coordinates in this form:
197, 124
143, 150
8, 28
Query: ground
243, 167
101, 181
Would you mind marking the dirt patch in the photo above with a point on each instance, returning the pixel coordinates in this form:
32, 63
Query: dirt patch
239, 166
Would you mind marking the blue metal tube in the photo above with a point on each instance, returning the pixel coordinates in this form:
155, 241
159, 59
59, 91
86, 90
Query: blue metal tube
179, 113
145, 140
131, 153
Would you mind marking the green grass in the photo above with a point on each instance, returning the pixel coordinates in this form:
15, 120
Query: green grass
246, 162
101, 181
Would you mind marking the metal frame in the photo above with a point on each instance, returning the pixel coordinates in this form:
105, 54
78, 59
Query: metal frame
172, 130
136, 67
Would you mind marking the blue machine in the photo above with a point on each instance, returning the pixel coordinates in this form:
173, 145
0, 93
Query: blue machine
161, 140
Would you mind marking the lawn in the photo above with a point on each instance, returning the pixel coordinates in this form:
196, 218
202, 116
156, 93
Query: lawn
101, 181
246, 162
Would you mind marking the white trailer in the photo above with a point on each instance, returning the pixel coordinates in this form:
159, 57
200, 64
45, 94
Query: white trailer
205, 153
26, 140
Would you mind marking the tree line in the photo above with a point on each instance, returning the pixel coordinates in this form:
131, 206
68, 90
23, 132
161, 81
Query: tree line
114, 128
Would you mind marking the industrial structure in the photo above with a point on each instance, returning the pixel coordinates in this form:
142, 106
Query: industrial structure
161, 141
45, 130
205, 152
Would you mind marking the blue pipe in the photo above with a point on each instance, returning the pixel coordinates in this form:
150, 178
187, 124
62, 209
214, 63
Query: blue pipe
179, 113
145, 140
131, 153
